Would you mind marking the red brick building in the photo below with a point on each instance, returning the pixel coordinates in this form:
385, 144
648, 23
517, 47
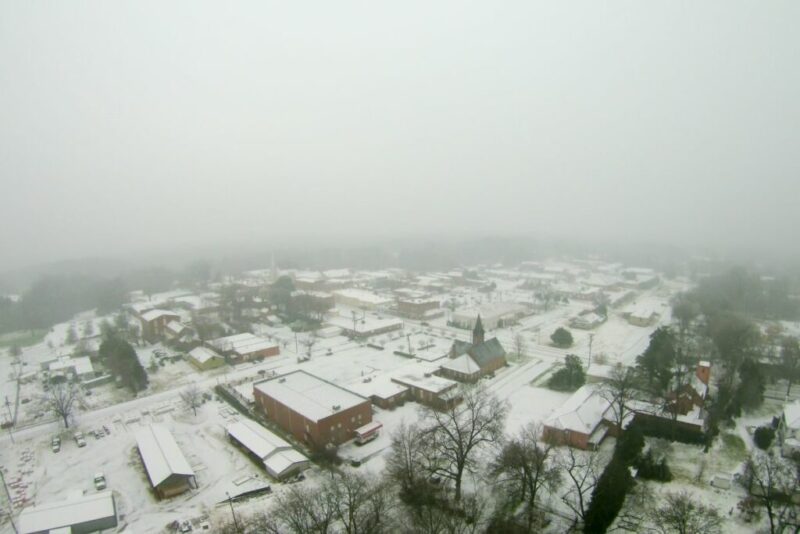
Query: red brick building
154, 323
313, 410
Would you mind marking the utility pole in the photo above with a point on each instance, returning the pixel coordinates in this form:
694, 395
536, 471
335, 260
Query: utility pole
591, 339
8, 496
10, 420
235, 523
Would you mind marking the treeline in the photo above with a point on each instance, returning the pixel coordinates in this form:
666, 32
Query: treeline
56, 298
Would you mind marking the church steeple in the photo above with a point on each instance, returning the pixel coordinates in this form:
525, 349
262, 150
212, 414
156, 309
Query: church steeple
477, 332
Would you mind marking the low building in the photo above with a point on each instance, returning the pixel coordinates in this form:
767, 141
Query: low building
494, 315
154, 323
419, 309
587, 321
789, 430
169, 472
176, 330
204, 358
77, 515
582, 422
427, 388
642, 315
381, 390
244, 347
362, 299
278, 458
365, 326
315, 411
80, 368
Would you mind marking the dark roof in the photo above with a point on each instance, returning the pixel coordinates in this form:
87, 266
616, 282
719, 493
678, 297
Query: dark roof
487, 352
460, 347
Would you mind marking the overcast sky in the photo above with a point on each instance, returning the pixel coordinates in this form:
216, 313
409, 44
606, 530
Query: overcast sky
126, 126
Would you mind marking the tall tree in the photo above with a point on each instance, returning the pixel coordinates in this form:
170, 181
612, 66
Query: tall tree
681, 513
790, 361
62, 400
524, 470
658, 359
458, 432
619, 390
773, 482
581, 472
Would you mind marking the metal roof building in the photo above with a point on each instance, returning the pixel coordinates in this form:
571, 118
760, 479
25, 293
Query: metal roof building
169, 472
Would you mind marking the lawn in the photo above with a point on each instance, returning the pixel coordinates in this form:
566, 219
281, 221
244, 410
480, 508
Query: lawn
22, 338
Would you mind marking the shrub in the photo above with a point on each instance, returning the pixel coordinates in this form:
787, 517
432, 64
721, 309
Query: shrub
570, 377
651, 469
763, 437
561, 338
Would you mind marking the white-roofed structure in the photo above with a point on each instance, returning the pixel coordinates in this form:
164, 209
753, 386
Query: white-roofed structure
169, 472
580, 422
313, 410
244, 347
77, 515
361, 298
204, 358
278, 457
427, 388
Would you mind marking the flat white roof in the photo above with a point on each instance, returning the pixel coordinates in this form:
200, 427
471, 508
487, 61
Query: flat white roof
203, 354
57, 515
308, 395
363, 295
245, 343
434, 384
81, 365
155, 314
161, 455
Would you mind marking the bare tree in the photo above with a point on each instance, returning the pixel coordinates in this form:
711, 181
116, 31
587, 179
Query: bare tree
582, 471
309, 342
619, 391
457, 432
300, 511
407, 464
524, 469
360, 505
772, 481
431, 518
192, 397
681, 513
62, 400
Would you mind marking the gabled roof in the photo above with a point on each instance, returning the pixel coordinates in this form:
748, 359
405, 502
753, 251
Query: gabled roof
461, 347
464, 364
161, 455
582, 412
487, 352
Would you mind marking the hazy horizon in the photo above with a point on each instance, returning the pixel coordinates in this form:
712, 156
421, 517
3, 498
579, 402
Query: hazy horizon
138, 128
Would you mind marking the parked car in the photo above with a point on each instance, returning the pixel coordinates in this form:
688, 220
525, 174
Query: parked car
99, 481
56, 444
79, 439
184, 526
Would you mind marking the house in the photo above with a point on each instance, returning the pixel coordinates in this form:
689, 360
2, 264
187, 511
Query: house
582, 422
313, 410
692, 394
470, 361
427, 388
642, 315
204, 358
279, 459
166, 467
154, 323
587, 321
244, 347
64, 367
79, 514
176, 330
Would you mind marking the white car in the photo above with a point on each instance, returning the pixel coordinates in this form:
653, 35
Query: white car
99, 481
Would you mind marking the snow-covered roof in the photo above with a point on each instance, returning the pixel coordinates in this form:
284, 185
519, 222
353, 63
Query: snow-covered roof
152, 315
426, 381
61, 514
81, 365
245, 343
161, 455
202, 354
364, 296
791, 413
308, 395
582, 412
256, 438
464, 364
175, 327
372, 426
364, 324
376, 385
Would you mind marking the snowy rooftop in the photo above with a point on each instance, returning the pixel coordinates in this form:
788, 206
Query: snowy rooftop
255, 437
202, 354
582, 412
363, 295
81, 365
152, 315
377, 384
365, 324
463, 364
51, 516
245, 343
308, 395
161, 455
426, 381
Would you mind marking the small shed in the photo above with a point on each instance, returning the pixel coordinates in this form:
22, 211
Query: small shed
276, 455
169, 472
77, 515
